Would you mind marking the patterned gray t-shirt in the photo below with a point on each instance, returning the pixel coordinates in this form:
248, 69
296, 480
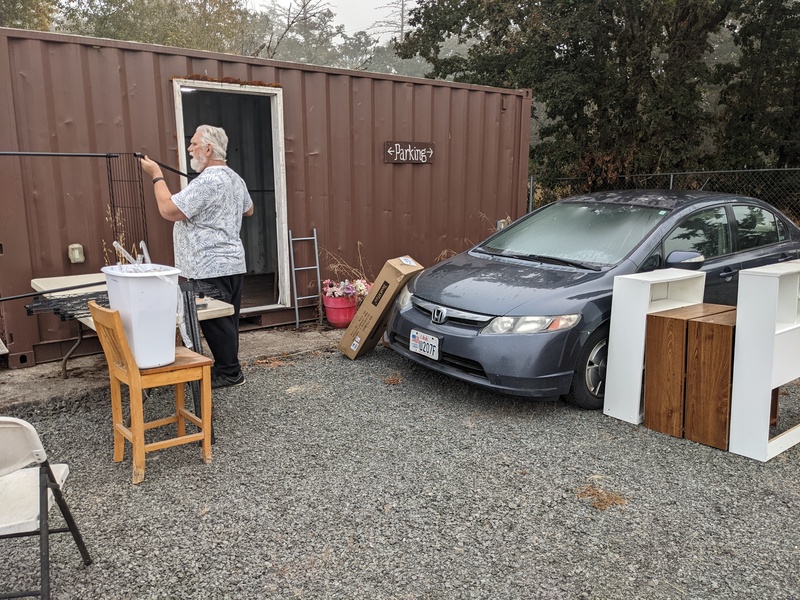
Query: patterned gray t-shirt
207, 243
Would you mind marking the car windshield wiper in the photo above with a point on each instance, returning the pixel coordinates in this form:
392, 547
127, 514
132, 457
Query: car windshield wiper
552, 260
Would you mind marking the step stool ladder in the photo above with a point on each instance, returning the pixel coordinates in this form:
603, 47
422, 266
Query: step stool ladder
295, 269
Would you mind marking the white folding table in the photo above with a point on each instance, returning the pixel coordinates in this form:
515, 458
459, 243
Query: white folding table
52, 288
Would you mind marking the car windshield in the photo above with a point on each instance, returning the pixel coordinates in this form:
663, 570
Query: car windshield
575, 233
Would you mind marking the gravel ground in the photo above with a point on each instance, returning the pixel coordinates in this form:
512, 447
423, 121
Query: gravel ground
377, 479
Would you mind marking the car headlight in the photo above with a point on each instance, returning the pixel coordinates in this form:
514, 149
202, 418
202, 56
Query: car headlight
500, 325
404, 298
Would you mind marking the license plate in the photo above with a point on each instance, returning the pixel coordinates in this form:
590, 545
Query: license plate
425, 344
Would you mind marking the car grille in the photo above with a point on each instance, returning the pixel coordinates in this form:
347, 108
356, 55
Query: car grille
462, 364
450, 315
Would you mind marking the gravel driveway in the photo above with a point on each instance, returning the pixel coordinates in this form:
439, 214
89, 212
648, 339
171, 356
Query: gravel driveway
376, 479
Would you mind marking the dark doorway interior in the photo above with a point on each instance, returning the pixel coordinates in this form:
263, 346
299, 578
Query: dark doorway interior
247, 119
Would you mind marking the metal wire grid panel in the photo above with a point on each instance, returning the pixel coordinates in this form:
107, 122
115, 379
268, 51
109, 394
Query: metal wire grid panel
126, 201
76, 306
125, 189
68, 307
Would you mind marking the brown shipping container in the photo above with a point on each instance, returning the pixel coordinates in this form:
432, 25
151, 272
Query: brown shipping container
379, 166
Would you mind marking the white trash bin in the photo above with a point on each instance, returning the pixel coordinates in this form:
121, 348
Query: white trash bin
146, 297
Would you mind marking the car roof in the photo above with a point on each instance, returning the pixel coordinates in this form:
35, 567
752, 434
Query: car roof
667, 199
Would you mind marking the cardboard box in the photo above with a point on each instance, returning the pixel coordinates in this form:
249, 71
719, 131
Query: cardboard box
367, 327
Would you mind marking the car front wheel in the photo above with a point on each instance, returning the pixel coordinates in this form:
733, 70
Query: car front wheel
589, 381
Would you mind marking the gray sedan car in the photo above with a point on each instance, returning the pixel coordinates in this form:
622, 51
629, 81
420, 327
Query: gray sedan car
526, 312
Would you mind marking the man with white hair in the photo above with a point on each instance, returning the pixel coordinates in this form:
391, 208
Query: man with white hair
208, 219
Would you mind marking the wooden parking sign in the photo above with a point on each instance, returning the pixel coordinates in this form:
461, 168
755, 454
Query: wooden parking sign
408, 152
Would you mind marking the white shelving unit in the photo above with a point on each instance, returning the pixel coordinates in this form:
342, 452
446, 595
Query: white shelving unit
766, 355
634, 297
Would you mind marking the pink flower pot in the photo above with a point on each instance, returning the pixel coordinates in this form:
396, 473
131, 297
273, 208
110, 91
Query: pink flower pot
339, 311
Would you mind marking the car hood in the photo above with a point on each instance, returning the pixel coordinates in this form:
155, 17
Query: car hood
502, 286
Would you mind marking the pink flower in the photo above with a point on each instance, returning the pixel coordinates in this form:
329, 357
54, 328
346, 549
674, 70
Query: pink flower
357, 289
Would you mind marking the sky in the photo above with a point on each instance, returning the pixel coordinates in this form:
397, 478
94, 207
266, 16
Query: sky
358, 15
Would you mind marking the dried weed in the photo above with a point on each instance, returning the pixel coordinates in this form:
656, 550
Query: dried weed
448, 252
342, 270
444, 254
600, 498
392, 379
272, 362
116, 221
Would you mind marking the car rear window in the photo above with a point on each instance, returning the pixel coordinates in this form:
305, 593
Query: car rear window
757, 227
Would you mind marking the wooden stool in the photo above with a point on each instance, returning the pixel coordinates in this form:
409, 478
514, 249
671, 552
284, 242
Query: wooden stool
188, 366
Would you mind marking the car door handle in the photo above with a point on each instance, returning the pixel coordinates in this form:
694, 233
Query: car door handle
728, 273
784, 257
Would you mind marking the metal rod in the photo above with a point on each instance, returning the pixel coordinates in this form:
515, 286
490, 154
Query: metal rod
64, 289
64, 154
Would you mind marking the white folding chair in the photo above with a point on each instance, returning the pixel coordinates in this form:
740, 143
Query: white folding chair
27, 493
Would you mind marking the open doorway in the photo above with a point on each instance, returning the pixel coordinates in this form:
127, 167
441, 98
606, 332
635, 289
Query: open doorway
252, 116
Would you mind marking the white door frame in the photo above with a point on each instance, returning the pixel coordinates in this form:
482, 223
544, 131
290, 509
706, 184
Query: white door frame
279, 166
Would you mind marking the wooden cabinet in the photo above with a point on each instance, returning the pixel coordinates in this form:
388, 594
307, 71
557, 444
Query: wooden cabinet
709, 375
685, 355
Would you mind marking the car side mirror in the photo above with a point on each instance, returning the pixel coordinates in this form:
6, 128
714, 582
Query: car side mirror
685, 259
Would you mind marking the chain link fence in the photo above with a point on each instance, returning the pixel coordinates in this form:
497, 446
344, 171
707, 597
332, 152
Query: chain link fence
778, 187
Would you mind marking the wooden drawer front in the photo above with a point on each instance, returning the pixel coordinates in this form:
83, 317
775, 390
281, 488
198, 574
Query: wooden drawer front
665, 360
709, 376
665, 365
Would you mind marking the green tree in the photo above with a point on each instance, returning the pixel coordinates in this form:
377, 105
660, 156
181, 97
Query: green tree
385, 60
357, 51
201, 24
27, 14
619, 85
311, 39
298, 30
760, 97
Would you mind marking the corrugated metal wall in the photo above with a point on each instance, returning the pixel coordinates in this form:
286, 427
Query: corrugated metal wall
70, 94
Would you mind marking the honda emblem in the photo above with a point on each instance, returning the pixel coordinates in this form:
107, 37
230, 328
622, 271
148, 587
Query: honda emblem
439, 315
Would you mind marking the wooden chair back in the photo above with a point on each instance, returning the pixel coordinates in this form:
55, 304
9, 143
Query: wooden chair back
111, 333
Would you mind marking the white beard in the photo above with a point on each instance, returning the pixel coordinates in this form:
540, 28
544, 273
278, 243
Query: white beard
197, 164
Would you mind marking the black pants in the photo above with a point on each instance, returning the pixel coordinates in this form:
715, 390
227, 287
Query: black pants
222, 334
